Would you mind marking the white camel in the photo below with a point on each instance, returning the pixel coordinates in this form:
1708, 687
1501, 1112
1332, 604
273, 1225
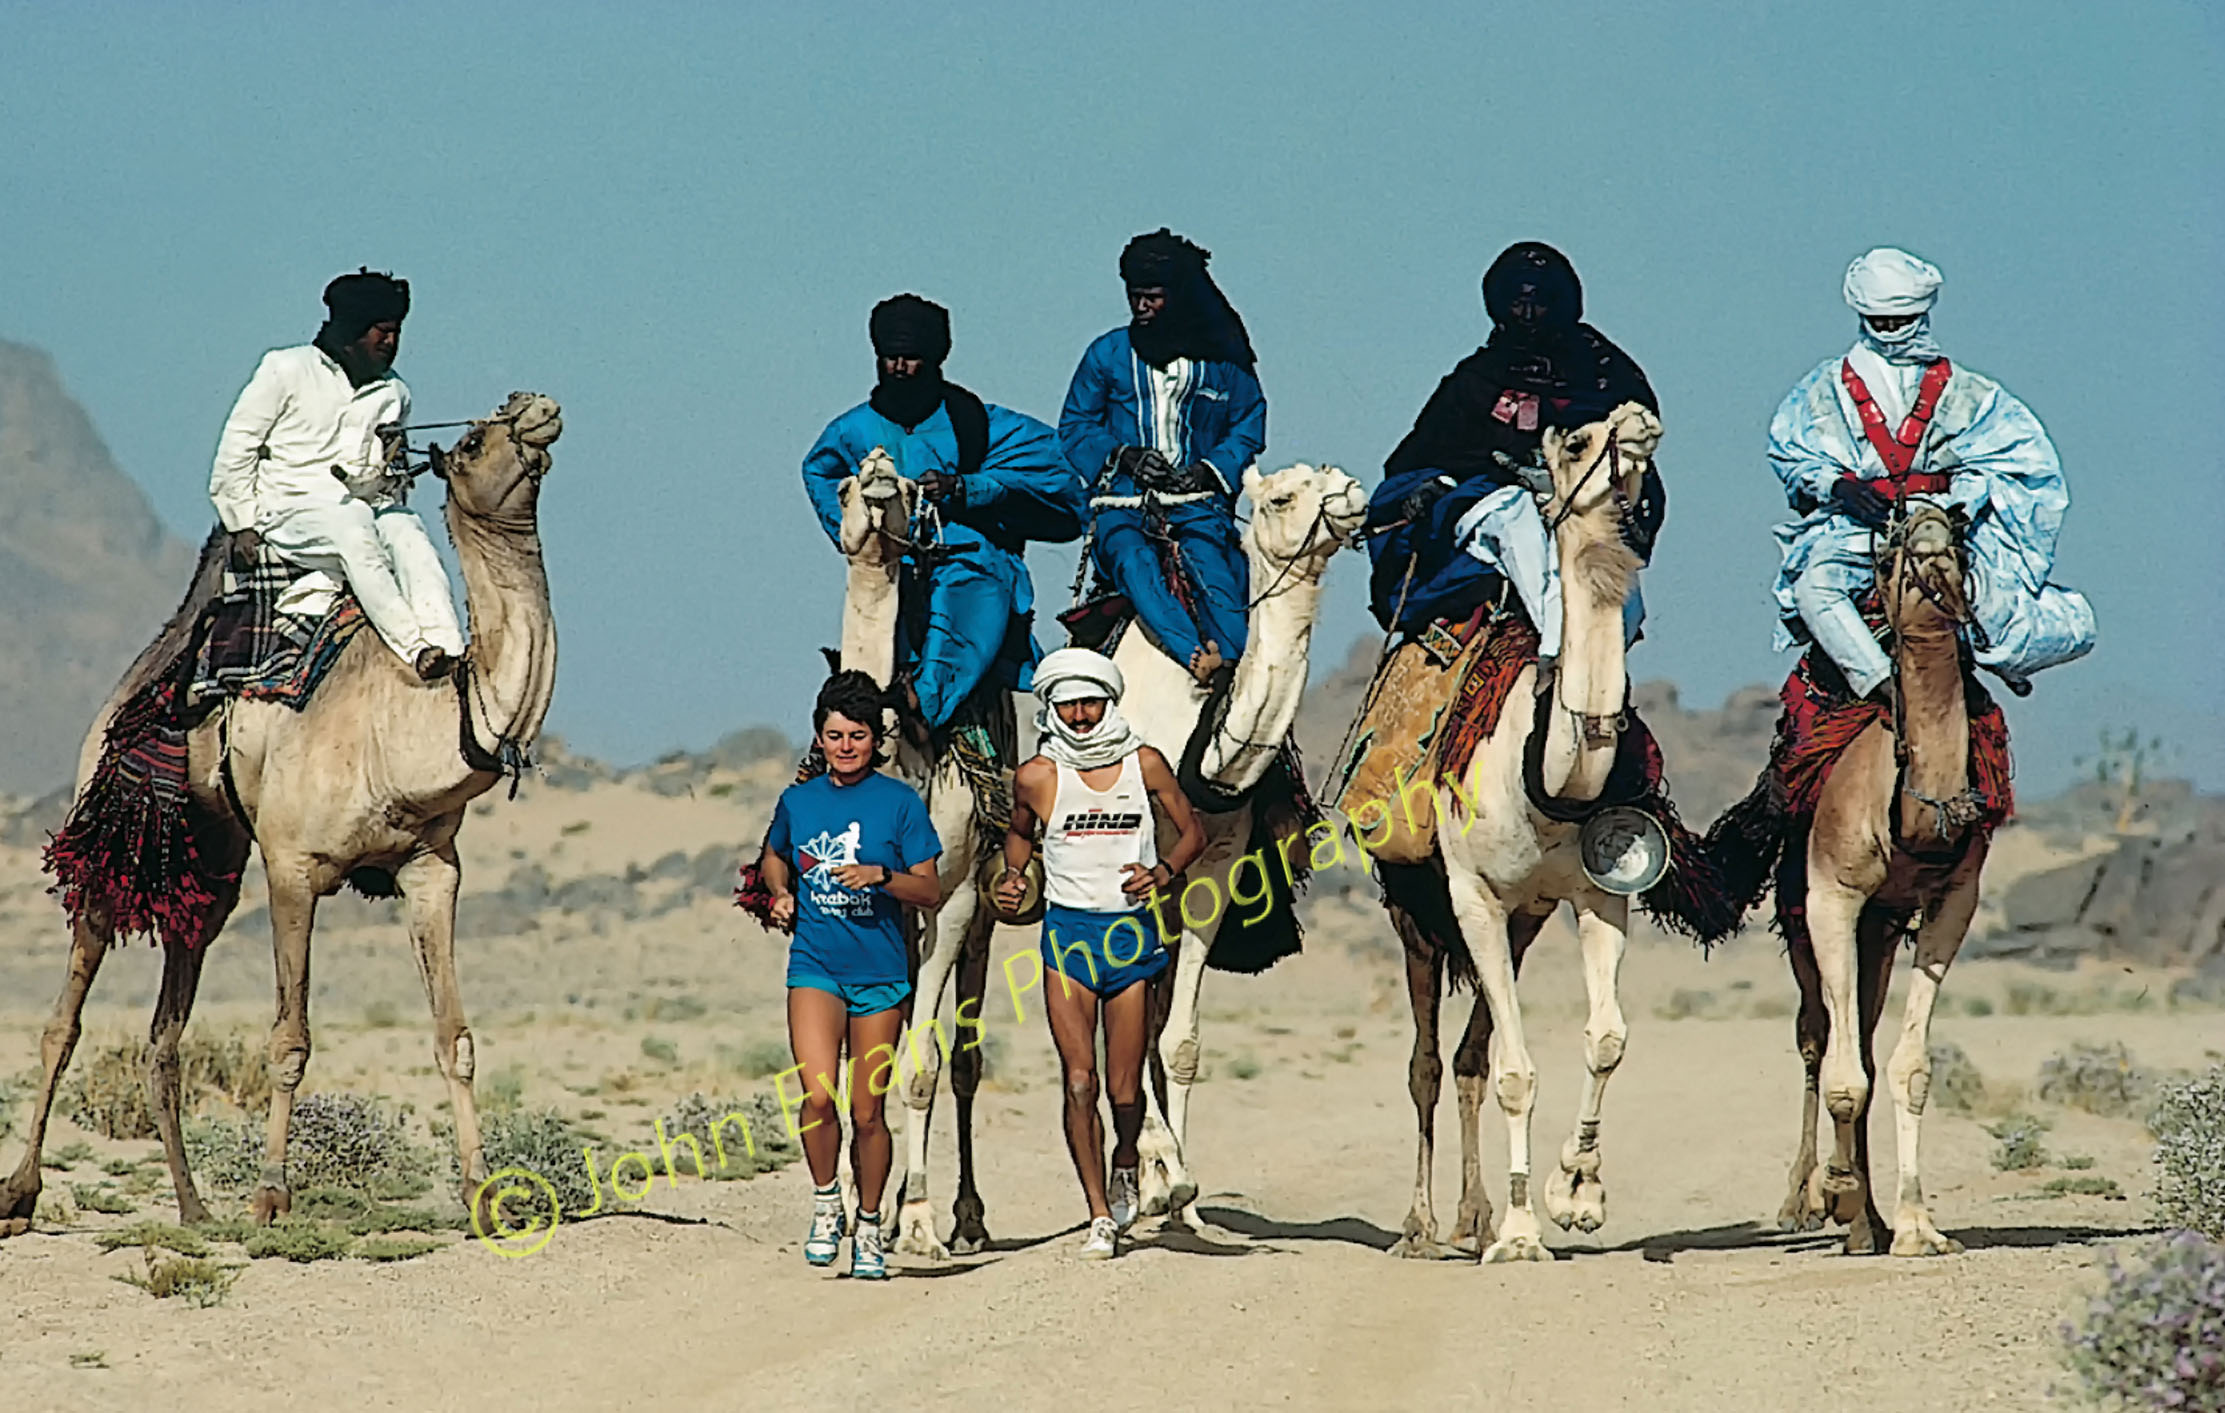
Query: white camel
1301, 516
1509, 866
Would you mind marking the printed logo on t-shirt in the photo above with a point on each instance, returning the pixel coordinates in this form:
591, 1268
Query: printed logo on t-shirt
1101, 822
819, 858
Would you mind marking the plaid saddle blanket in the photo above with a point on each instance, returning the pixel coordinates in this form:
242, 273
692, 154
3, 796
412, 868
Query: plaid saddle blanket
250, 649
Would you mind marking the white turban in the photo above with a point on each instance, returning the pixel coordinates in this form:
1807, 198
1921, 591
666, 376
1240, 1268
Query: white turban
1077, 674
1890, 283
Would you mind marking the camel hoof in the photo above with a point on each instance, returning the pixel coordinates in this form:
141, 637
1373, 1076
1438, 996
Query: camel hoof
915, 1234
969, 1239
13, 1226
1578, 1205
1181, 1192
1417, 1246
1515, 1248
270, 1204
1924, 1241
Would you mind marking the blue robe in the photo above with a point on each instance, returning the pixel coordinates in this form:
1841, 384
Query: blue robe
1221, 420
2005, 476
979, 598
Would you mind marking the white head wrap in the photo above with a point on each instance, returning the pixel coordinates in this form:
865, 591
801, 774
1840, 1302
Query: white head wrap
1892, 283
1075, 674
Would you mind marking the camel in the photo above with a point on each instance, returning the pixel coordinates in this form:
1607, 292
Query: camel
1897, 835
1508, 866
368, 779
877, 507
1301, 516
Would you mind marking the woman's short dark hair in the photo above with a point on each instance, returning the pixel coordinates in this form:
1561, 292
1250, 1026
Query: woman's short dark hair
852, 694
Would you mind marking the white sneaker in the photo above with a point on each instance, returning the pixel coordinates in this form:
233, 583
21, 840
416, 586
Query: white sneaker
1104, 1240
1123, 1198
828, 1221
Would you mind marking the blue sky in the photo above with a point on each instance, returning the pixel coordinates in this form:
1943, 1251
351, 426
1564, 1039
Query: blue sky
674, 219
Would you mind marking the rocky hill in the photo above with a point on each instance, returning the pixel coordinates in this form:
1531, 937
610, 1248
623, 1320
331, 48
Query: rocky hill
86, 572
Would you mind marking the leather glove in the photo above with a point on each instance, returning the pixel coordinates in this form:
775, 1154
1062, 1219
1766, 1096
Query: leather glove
246, 545
1147, 467
1415, 508
1861, 502
943, 487
1197, 476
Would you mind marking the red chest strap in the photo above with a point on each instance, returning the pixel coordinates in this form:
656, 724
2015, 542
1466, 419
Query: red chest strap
1897, 451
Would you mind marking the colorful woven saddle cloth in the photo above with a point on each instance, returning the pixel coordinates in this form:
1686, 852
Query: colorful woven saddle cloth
248, 648
1822, 717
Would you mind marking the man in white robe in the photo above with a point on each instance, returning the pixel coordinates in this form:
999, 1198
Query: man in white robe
1894, 419
301, 470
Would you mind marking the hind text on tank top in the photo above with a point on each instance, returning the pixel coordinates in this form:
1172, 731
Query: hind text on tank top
1092, 834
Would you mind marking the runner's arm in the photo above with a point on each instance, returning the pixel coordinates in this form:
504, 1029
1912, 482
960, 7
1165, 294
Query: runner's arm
1158, 778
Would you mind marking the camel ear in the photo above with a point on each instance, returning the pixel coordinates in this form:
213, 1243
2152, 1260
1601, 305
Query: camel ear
1552, 443
1251, 479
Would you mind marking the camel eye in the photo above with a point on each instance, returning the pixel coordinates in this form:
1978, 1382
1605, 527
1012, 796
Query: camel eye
1282, 502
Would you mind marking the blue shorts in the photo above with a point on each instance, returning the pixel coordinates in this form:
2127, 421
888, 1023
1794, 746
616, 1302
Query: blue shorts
1106, 952
863, 1000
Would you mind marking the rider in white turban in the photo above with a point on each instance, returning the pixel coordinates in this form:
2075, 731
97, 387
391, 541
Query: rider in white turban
1077, 674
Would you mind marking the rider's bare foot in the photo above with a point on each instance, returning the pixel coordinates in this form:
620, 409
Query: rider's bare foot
434, 664
1205, 662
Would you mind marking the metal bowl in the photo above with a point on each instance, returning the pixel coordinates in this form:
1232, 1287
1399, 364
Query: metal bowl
1625, 850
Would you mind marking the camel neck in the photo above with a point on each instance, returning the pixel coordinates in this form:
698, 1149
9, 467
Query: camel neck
1935, 720
513, 636
1592, 683
1270, 677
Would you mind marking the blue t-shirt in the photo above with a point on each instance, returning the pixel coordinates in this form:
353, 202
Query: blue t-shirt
855, 937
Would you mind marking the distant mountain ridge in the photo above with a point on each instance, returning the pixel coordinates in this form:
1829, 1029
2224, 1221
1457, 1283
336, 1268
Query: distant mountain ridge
87, 573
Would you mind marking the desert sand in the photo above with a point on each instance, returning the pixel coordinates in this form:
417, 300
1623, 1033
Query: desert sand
1302, 1136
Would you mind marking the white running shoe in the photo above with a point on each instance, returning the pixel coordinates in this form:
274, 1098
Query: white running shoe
1104, 1240
828, 1224
1124, 1201
867, 1261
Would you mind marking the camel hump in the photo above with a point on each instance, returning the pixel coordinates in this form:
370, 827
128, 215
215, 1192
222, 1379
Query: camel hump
177, 634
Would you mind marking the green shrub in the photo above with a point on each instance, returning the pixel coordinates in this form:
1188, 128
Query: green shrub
396, 1248
1955, 1081
197, 1281
348, 1140
2082, 1187
224, 1154
2100, 1079
545, 1144
761, 1143
299, 1240
101, 1198
2018, 1147
2155, 1335
657, 1048
759, 1058
107, 1090
2189, 1125
163, 1234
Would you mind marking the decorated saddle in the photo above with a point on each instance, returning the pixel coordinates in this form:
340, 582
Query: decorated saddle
248, 647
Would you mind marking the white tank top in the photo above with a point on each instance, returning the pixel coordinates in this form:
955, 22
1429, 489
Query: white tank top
1092, 834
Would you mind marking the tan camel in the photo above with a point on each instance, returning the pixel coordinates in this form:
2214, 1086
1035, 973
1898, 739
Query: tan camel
1508, 867
1896, 836
877, 506
369, 775
1301, 516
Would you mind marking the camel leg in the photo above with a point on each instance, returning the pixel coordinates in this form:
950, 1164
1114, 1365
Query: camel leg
923, 1057
19, 1196
1833, 910
293, 913
1483, 923
429, 884
1811, 1025
1473, 1229
968, 1232
1162, 1146
181, 980
1425, 1078
1909, 1074
1576, 1197
1877, 937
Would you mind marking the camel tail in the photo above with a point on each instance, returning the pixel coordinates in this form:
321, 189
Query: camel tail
1744, 845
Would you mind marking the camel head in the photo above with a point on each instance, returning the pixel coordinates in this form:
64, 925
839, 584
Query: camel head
1300, 516
494, 471
877, 507
1597, 470
1924, 568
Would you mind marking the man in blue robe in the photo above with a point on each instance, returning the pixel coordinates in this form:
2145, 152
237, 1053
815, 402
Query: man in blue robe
1162, 418
991, 481
1893, 418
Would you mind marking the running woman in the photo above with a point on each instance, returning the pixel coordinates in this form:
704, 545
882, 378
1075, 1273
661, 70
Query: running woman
847, 851
1093, 788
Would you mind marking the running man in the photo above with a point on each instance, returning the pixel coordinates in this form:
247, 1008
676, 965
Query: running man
1093, 787
847, 851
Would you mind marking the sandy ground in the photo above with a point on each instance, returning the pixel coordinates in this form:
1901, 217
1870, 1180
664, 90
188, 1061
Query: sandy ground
1283, 1295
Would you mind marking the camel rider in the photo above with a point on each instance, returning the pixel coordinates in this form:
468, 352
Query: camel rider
991, 481
302, 471
1894, 418
1163, 416
1456, 519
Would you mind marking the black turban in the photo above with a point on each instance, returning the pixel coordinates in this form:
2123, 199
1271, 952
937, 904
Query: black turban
907, 326
362, 299
1539, 271
1198, 321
